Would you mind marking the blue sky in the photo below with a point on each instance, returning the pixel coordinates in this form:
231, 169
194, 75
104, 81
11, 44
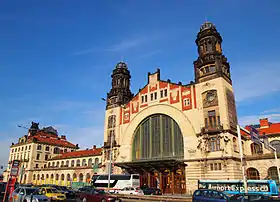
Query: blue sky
56, 57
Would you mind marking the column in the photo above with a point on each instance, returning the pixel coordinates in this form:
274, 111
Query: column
172, 181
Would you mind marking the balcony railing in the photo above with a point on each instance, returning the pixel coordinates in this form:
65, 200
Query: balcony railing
212, 129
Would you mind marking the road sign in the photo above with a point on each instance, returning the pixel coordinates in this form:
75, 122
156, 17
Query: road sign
255, 136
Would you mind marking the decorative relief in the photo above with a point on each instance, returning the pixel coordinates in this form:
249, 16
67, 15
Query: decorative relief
207, 86
210, 98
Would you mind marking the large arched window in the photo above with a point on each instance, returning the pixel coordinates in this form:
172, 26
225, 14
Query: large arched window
272, 173
276, 145
253, 174
157, 136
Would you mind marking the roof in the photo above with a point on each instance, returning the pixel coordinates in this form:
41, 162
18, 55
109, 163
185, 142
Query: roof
79, 153
50, 140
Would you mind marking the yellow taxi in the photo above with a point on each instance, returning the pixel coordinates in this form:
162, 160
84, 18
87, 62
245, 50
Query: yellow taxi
53, 193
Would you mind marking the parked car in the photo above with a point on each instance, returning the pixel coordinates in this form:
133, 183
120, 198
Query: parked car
94, 195
24, 194
53, 193
131, 190
151, 191
207, 195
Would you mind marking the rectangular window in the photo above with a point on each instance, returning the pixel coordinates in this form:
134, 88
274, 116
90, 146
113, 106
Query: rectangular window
211, 167
38, 157
161, 94
165, 92
36, 166
214, 144
155, 95
146, 98
142, 98
206, 122
46, 157
152, 97
187, 102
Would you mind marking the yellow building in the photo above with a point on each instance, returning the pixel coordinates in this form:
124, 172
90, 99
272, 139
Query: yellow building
46, 157
173, 134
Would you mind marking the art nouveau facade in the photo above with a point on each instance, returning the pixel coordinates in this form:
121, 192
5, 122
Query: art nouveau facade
173, 134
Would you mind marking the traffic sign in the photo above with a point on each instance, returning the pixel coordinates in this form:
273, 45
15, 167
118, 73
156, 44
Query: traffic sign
255, 136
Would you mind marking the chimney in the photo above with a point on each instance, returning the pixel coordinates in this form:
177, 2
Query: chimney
264, 123
63, 137
94, 147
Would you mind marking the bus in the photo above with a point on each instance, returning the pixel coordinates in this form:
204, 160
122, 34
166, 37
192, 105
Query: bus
231, 187
117, 182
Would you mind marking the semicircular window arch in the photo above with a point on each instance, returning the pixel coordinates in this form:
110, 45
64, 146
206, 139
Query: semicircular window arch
157, 137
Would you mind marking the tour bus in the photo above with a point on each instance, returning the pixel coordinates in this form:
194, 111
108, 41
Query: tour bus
117, 182
231, 187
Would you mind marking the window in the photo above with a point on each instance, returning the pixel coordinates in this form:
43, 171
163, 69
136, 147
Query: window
25, 147
15, 149
67, 163
146, 98
165, 92
38, 157
78, 163
84, 162
39, 147
276, 145
56, 150
152, 97
215, 166
36, 166
12, 150
72, 163
142, 98
256, 149
155, 95
253, 174
212, 118
57, 164
235, 145
96, 161
187, 102
47, 148
46, 157
214, 144
90, 162
29, 147
161, 94
111, 121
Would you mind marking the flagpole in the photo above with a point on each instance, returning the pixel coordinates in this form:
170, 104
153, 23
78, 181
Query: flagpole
242, 160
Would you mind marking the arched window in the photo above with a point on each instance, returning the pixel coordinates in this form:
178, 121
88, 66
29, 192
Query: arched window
47, 148
72, 163
88, 178
62, 177
96, 161
56, 177
81, 177
253, 174
78, 163
38, 177
272, 174
52, 176
157, 137
67, 164
65, 150
34, 177
84, 162
57, 164
276, 145
68, 177
43, 177
39, 147
47, 176
74, 177
49, 164
56, 150
256, 149
90, 162
235, 145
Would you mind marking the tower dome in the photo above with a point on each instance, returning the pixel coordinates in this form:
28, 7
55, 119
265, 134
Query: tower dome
121, 65
207, 25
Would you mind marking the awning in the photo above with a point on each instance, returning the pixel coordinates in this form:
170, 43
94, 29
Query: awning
151, 165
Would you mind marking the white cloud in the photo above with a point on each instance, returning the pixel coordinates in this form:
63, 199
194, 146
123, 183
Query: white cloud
254, 119
255, 80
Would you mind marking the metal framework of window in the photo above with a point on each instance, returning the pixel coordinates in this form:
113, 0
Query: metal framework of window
157, 137
253, 174
272, 173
